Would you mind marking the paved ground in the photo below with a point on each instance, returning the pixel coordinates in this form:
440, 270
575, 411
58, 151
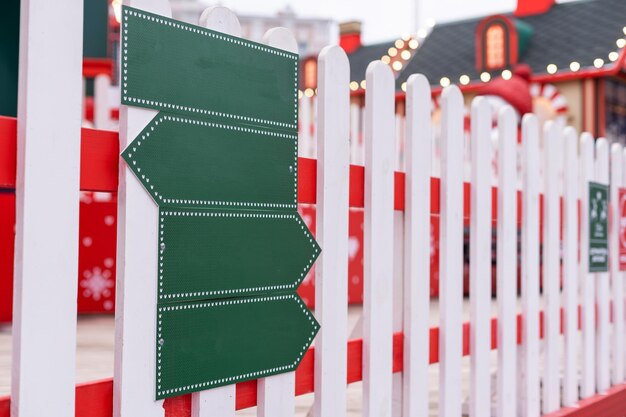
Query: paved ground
94, 359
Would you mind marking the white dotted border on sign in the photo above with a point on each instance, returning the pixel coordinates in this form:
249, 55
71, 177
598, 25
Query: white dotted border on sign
145, 135
232, 379
239, 291
205, 32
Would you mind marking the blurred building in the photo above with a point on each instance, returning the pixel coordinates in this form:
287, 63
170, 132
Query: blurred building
562, 61
312, 34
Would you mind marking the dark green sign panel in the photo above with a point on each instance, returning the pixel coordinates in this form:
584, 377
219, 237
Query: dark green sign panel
220, 160
241, 338
185, 69
190, 162
237, 249
598, 227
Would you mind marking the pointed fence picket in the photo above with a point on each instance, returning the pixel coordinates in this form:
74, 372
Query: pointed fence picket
331, 279
570, 265
451, 255
219, 401
602, 284
530, 394
480, 260
397, 258
587, 283
417, 248
378, 232
507, 264
551, 272
617, 277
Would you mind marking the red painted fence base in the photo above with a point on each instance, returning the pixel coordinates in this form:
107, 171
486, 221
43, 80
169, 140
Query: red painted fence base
610, 404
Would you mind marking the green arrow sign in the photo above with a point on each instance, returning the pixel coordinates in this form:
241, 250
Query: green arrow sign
598, 227
189, 162
207, 254
220, 160
185, 69
241, 339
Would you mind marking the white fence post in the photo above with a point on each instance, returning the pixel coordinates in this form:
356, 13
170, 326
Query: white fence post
480, 260
570, 267
47, 194
507, 264
617, 277
378, 233
602, 284
218, 401
417, 248
451, 253
587, 284
276, 394
136, 289
331, 271
530, 267
551, 268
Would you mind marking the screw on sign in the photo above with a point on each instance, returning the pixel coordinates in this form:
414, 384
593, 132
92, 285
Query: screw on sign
220, 160
598, 227
621, 224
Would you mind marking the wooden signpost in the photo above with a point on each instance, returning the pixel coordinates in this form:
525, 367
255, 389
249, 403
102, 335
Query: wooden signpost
220, 161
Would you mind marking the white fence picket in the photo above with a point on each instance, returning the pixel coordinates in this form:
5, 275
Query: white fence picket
530, 267
551, 269
617, 277
378, 233
602, 284
331, 279
480, 260
136, 288
587, 284
276, 394
570, 267
46, 243
417, 248
507, 263
451, 253
219, 401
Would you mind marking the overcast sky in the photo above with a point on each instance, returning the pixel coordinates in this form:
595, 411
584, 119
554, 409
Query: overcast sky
382, 19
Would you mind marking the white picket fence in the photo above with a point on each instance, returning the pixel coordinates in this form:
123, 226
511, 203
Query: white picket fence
545, 377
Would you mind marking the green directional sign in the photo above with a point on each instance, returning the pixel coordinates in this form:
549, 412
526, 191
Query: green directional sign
193, 162
242, 338
185, 69
598, 227
242, 261
220, 160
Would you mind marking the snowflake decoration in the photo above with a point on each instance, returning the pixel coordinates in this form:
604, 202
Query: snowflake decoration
96, 283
